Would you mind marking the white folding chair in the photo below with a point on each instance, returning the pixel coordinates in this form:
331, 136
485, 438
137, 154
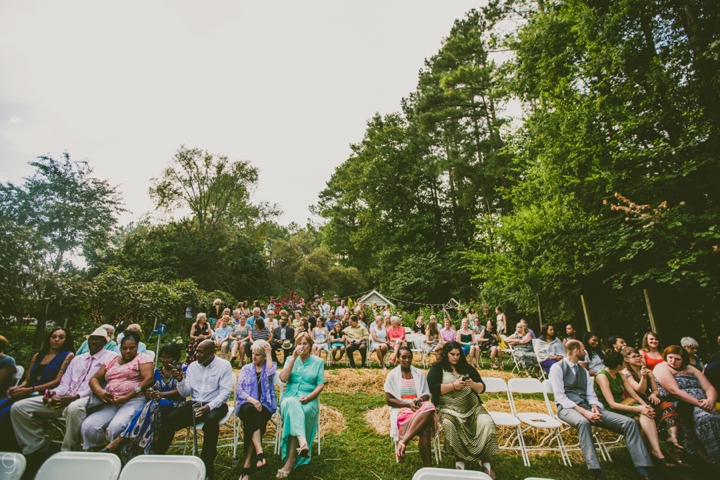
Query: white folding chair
435, 444
153, 467
599, 444
12, 466
431, 473
80, 466
199, 426
480, 354
502, 419
17, 377
415, 341
546, 421
279, 421
151, 354
237, 422
511, 353
537, 357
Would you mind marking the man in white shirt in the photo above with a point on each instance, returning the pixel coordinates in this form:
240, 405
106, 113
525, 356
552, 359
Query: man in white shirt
67, 400
208, 381
340, 311
579, 406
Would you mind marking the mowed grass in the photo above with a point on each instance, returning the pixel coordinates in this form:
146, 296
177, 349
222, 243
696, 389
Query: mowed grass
359, 452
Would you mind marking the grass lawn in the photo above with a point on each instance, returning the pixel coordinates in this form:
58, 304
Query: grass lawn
359, 452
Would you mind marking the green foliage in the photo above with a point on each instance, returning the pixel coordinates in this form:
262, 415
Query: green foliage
215, 257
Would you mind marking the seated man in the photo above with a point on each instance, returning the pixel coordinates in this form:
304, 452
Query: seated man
282, 334
67, 400
579, 406
208, 381
357, 337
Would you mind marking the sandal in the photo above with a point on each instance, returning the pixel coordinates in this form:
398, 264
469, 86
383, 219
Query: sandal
244, 474
260, 457
459, 465
303, 451
283, 473
488, 469
400, 452
662, 461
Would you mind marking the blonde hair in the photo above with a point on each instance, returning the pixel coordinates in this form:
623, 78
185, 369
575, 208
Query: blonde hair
304, 335
134, 327
217, 301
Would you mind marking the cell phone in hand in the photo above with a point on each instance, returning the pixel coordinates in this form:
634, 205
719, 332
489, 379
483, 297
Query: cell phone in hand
465, 378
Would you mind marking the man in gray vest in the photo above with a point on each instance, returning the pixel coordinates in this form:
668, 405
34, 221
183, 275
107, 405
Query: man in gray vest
579, 406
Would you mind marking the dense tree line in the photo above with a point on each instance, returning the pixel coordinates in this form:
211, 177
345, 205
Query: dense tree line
609, 185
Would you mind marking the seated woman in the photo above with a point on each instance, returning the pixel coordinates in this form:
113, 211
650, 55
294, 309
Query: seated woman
651, 349
338, 343
691, 347
114, 406
44, 373
467, 341
379, 340
617, 395
469, 429
642, 380
396, 337
7, 368
257, 403
489, 341
411, 413
419, 326
694, 399
133, 327
300, 405
303, 327
163, 398
550, 349
221, 336
594, 355
199, 332
522, 346
433, 341
320, 339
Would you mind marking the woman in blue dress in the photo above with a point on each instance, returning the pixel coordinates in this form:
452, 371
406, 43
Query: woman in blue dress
141, 433
300, 405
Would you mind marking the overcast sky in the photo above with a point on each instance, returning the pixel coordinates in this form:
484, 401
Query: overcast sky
287, 85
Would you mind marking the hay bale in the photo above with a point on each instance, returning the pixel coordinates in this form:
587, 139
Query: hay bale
351, 380
379, 420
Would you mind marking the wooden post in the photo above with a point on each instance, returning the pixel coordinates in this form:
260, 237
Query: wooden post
540, 311
585, 310
653, 326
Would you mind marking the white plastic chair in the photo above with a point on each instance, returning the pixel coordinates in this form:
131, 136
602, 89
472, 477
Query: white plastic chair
545, 421
435, 444
237, 422
153, 467
430, 473
502, 419
599, 444
12, 466
199, 426
415, 341
279, 420
537, 357
19, 372
80, 466
511, 353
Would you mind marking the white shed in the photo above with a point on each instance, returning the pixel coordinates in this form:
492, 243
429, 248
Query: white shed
376, 297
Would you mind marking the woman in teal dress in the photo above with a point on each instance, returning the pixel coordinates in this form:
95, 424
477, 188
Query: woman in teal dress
300, 405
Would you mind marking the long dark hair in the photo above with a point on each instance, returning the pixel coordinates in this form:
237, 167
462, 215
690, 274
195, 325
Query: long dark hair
544, 331
586, 341
68, 346
462, 366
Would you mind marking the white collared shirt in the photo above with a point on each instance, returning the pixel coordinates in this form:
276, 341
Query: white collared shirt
558, 385
211, 384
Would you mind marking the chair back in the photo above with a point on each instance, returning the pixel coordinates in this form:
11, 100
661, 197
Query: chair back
19, 372
13, 466
152, 467
414, 339
430, 473
525, 385
495, 385
80, 466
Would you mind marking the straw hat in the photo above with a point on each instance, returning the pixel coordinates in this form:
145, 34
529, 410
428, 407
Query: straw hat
100, 332
287, 344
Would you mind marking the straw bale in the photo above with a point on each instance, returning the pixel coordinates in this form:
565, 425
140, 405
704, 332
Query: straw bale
350, 380
379, 420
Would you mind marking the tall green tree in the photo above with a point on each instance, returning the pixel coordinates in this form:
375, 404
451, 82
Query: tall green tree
65, 209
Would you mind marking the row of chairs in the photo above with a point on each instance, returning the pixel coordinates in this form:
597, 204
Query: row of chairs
521, 422
105, 466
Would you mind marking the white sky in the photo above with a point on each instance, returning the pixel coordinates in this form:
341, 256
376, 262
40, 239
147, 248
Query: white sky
287, 85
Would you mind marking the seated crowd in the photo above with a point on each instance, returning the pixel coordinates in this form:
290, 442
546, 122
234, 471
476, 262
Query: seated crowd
112, 397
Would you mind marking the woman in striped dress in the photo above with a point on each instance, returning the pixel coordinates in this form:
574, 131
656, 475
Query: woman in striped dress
469, 430
411, 412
